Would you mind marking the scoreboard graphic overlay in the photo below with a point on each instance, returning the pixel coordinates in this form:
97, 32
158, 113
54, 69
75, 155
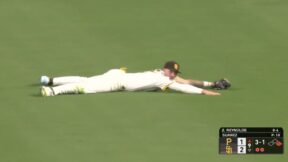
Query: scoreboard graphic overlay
251, 140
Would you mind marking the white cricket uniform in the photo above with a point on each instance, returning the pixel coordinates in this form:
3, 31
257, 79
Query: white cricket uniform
117, 80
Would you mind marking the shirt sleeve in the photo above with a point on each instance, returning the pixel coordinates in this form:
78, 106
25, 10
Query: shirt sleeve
185, 88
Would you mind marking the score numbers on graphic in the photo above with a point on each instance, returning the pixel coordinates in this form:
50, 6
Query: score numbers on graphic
251, 140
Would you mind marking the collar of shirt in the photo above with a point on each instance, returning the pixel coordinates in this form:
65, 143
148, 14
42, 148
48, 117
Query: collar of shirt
160, 71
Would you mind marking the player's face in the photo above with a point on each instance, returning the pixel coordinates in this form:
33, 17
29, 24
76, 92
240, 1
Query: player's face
169, 73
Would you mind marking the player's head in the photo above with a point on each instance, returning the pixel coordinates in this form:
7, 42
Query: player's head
171, 69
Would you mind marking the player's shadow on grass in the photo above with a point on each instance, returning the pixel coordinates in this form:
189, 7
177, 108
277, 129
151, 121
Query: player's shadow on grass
34, 85
36, 95
38, 88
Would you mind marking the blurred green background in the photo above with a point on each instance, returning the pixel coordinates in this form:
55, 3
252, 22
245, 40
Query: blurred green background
243, 40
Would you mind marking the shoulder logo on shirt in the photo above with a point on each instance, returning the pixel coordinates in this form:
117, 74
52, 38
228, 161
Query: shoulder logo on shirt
124, 69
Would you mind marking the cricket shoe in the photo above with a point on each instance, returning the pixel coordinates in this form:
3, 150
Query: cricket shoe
47, 91
44, 80
222, 84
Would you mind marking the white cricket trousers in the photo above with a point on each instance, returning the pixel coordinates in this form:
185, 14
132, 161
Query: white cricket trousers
107, 82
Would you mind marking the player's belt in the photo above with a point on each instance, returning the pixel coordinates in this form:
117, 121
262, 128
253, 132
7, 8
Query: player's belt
166, 87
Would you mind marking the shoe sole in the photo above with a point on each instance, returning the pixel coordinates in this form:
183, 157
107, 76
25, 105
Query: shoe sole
44, 92
42, 82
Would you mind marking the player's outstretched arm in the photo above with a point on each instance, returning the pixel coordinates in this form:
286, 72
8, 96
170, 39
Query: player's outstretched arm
196, 83
220, 84
210, 93
186, 88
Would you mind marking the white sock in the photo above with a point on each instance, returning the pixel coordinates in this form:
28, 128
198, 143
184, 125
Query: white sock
207, 84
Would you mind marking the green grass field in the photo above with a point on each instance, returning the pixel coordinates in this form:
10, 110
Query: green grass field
243, 40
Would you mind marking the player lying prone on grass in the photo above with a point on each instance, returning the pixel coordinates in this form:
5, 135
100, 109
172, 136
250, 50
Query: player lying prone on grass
119, 80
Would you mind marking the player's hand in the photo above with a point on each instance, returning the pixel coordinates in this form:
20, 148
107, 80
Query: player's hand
210, 93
